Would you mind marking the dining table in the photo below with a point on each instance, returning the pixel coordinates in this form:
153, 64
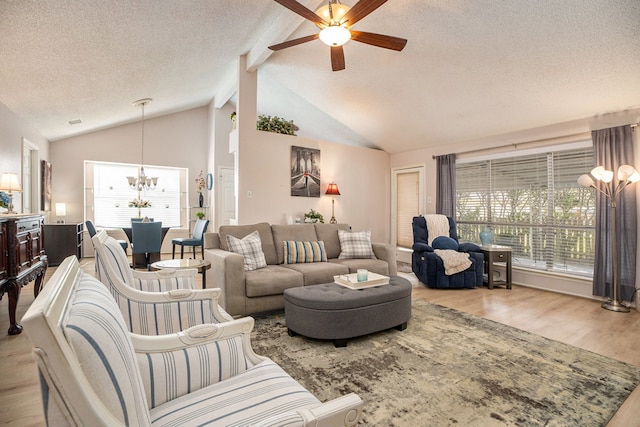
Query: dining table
129, 231
140, 258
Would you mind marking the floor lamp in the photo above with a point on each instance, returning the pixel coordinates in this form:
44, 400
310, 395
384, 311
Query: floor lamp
626, 175
332, 190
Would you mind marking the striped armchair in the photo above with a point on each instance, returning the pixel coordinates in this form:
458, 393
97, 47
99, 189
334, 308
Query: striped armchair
157, 312
113, 267
95, 373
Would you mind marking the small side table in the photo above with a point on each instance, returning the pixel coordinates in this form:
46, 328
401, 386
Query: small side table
180, 264
493, 254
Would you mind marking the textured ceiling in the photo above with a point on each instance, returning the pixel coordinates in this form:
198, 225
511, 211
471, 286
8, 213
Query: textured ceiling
471, 69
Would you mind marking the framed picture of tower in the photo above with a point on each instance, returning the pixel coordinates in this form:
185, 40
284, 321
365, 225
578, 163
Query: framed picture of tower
305, 172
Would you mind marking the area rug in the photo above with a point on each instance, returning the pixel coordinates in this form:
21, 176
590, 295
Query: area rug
450, 368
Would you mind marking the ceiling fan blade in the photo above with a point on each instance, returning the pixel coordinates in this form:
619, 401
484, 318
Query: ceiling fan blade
360, 10
379, 40
296, 7
293, 42
337, 58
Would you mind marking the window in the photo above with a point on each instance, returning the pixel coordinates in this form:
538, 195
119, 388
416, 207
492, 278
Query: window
107, 194
533, 203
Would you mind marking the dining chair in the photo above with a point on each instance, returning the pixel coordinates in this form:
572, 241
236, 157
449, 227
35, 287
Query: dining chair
92, 232
138, 219
146, 242
196, 240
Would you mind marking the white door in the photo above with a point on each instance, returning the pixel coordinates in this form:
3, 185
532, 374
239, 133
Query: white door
407, 202
226, 197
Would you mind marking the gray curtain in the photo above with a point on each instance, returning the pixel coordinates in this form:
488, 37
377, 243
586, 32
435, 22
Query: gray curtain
612, 148
446, 185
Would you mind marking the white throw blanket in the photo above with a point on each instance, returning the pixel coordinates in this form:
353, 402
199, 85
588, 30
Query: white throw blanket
437, 225
454, 261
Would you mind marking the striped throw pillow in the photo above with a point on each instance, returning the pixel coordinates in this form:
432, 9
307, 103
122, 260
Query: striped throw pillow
299, 252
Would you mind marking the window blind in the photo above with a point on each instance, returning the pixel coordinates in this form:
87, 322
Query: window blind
533, 204
107, 194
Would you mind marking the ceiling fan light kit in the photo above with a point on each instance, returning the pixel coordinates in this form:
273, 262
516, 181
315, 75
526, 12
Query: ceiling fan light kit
335, 21
335, 35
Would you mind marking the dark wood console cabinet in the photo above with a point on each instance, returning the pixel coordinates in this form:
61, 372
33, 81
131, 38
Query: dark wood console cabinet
22, 259
62, 240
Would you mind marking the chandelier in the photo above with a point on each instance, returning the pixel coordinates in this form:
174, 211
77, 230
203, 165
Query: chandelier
142, 181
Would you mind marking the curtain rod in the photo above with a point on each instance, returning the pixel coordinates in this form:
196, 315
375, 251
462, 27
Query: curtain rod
528, 144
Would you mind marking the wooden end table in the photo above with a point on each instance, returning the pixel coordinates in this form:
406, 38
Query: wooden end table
493, 254
180, 264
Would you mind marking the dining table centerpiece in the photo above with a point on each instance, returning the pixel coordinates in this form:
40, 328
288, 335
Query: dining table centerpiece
140, 204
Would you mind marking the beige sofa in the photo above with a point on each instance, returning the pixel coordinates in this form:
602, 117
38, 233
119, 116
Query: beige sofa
261, 290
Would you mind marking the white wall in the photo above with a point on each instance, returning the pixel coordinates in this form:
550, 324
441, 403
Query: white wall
362, 174
12, 131
184, 140
177, 140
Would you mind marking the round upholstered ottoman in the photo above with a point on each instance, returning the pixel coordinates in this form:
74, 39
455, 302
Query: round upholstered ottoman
333, 312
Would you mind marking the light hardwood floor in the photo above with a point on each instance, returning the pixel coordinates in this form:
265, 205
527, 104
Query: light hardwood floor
576, 321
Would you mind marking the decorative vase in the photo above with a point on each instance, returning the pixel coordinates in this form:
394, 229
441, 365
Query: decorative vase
200, 200
486, 236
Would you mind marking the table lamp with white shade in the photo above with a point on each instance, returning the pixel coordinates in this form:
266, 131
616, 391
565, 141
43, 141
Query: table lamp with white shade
9, 183
61, 211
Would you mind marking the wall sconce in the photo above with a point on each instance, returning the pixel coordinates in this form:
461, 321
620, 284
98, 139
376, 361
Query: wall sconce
332, 190
626, 175
9, 183
61, 211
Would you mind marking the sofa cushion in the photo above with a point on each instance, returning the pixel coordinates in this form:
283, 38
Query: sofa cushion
262, 391
328, 233
250, 248
266, 238
374, 265
355, 244
298, 232
318, 272
272, 280
302, 252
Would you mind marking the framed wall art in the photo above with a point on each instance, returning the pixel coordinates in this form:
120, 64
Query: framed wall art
45, 186
305, 172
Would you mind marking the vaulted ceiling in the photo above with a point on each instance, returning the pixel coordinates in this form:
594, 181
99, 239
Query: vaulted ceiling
471, 68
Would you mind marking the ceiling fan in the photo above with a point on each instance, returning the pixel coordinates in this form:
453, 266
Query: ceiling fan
335, 21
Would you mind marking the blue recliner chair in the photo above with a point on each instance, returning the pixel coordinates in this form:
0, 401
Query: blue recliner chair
429, 267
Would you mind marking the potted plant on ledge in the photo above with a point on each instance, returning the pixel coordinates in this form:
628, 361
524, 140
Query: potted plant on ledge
313, 216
